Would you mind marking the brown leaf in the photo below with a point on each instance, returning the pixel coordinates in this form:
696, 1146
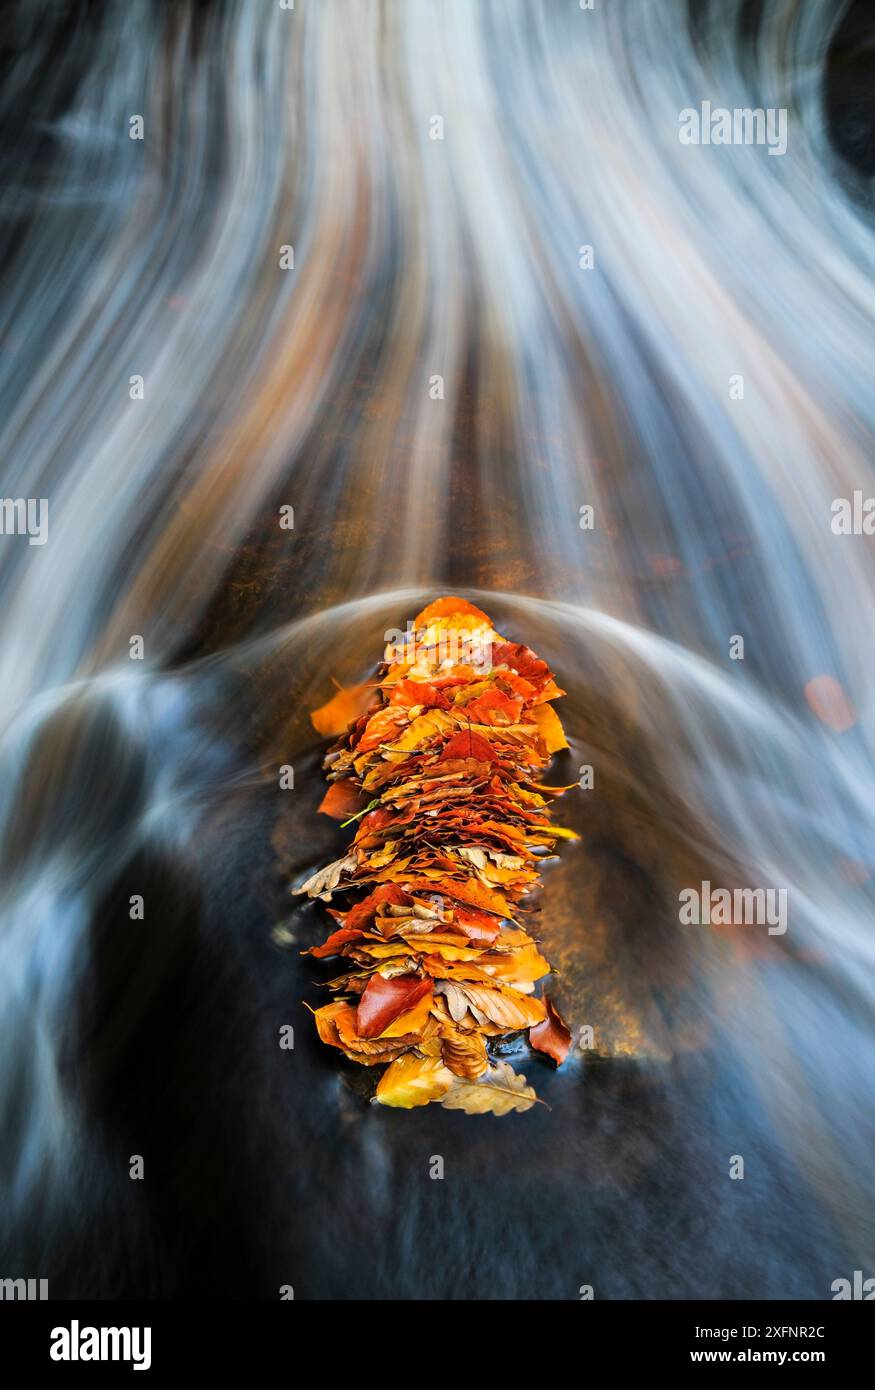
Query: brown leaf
324, 881
553, 1036
456, 1001
510, 1009
464, 1053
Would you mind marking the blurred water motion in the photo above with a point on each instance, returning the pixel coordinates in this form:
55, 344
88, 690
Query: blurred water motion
314, 387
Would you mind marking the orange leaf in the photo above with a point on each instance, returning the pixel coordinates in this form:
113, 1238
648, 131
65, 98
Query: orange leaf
448, 608
336, 715
363, 914
337, 939
342, 800
494, 707
470, 891
407, 693
829, 700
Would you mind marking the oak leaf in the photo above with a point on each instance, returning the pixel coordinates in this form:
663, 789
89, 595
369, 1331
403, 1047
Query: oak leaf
496, 1092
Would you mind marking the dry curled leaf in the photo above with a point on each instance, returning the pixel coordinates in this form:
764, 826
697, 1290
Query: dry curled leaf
464, 1053
510, 1009
553, 1036
324, 881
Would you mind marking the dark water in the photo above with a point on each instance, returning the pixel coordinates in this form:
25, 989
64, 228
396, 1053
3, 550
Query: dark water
267, 1167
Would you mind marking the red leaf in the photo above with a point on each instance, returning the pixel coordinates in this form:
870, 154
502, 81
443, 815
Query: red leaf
477, 926
469, 745
385, 1000
522, 660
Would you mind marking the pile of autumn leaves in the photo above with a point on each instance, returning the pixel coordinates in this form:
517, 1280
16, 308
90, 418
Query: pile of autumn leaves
443, 775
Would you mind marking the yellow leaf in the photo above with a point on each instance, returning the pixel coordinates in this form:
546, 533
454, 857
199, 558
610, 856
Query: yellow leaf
412, 1080
550, 727
430, 943
383, 856
378, 950
427, 726
411, 1022
560, 832
522, 966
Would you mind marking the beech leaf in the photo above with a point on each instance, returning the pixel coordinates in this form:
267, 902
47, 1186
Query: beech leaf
553, 1036
412, 1080
386, 1000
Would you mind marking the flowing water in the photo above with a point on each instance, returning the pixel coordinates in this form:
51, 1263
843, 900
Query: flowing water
437, 385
